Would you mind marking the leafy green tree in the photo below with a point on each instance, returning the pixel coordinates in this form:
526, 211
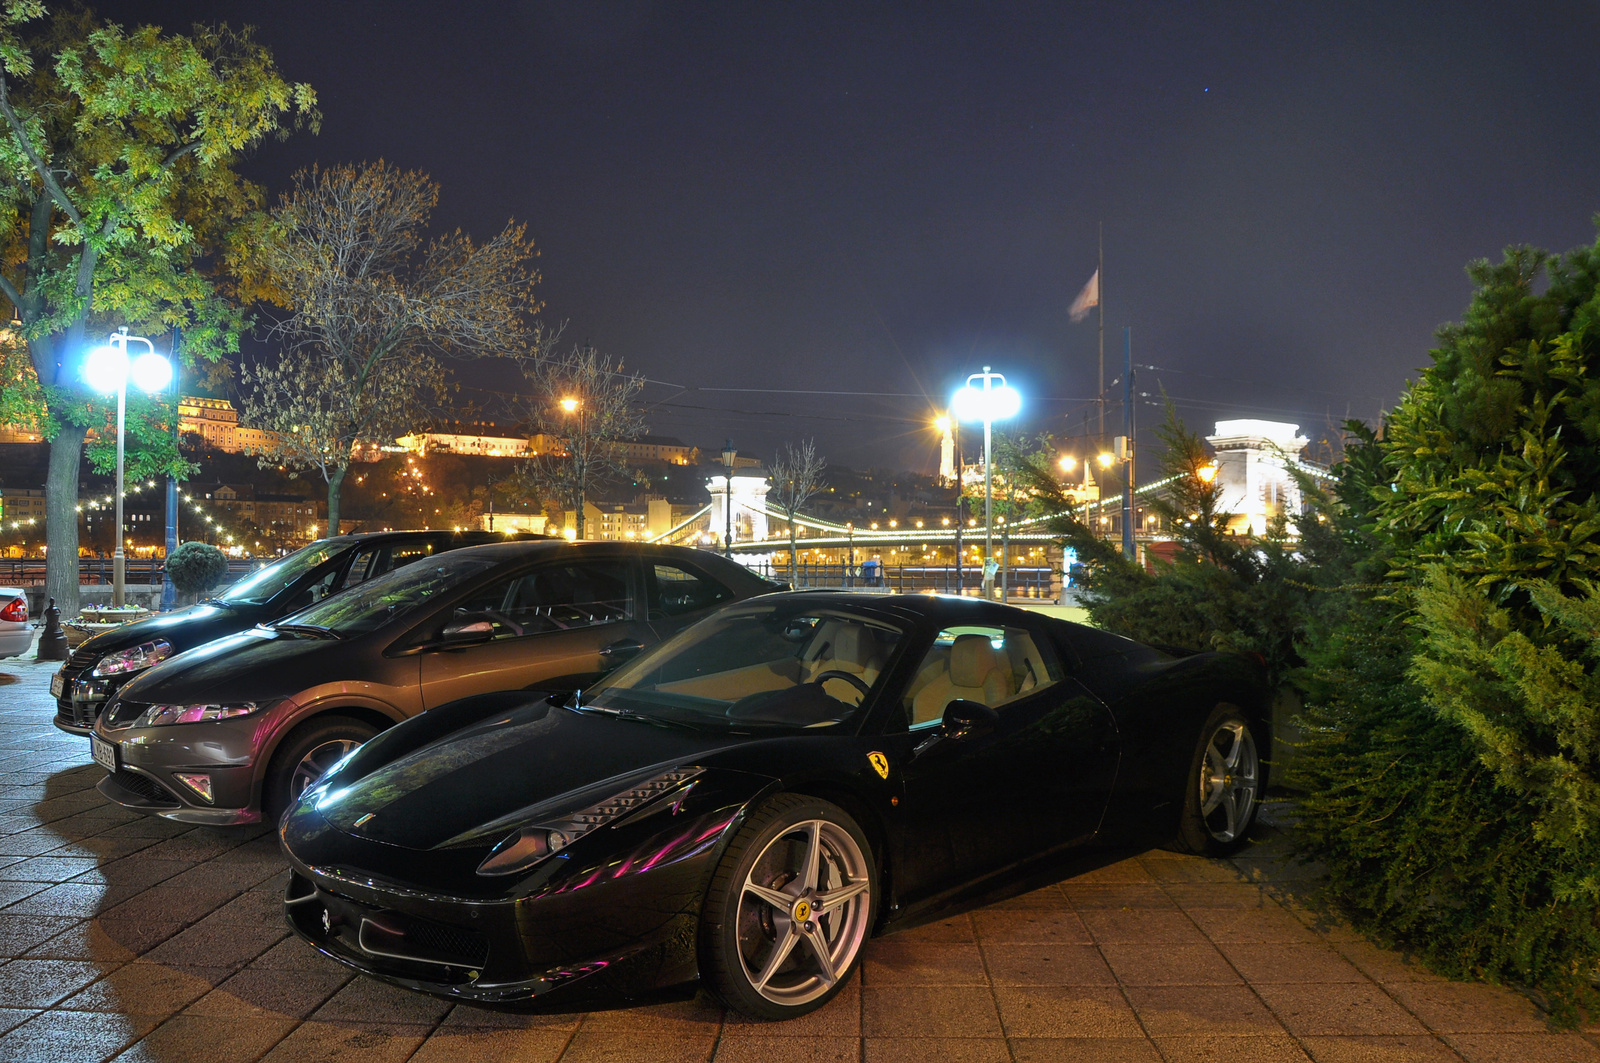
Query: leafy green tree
1223, 592
119, 204
1452, 769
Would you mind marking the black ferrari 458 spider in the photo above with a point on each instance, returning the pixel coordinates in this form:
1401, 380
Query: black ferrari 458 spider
748, 801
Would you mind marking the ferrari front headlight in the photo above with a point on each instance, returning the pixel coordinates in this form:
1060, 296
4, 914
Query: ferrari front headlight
527, 845
134, 659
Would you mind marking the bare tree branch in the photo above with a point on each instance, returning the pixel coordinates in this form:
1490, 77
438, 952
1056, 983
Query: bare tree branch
796, 478
372, 313
587, 405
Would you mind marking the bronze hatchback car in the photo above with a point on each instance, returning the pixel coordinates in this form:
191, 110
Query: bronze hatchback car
232, 731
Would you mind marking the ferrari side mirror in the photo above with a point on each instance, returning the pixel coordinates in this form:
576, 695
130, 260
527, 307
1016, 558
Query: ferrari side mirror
968, 719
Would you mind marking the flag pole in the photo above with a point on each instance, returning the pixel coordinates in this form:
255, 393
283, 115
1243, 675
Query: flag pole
1100, 305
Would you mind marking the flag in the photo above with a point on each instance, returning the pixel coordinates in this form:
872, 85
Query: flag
1090, 296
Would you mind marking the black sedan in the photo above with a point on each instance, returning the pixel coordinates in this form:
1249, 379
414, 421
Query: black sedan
748, 801
98, 668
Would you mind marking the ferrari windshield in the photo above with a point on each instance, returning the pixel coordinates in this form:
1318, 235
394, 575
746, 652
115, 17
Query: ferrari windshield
366, 607
262, 584
774, 665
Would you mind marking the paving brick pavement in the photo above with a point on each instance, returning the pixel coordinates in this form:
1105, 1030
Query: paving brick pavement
129, 938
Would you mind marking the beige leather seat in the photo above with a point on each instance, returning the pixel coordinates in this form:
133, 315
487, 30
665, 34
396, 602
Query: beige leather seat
846, 648
976, 673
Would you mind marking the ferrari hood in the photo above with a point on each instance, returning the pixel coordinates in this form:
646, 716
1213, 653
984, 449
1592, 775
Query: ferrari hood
531, 756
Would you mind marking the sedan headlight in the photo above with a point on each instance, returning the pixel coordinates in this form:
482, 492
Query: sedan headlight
526, 846
159, 715
133, 659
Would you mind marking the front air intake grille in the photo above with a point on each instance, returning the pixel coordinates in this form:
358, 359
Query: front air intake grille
75, 666
143, 786
123, 713
81, 658
447, 942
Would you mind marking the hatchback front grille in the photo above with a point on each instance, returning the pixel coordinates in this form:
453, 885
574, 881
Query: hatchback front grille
81, 658
143, 786
122, 713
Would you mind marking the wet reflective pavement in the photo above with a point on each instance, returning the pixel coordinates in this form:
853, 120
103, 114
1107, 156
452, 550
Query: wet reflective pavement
129, 938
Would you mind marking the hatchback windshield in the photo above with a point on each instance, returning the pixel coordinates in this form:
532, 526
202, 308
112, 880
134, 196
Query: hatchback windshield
781, 665
366, 607
264, 583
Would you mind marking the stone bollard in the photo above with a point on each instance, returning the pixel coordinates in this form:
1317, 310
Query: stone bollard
53, 640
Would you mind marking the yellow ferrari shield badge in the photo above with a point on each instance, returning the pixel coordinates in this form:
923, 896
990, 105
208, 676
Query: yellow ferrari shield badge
880, 764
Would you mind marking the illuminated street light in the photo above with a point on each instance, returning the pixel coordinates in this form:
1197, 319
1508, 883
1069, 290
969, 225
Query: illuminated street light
571, 405
1067, 463
106, 370
729, 455
993, 400
1106, 460
1207, 472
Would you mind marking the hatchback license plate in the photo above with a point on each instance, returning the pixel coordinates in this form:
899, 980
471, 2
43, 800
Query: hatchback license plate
103, 752
58, 685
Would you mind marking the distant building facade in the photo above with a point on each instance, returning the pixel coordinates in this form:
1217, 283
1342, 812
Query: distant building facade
621, 522
216, 422
665, 450
486, 443
1253, 462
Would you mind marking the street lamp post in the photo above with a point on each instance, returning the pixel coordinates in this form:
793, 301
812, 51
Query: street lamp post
581, 465
954, 425
107, 369
169, 593
728, 456
993, 400
850, 567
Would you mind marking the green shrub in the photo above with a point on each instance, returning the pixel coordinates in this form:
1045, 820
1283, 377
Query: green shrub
195, 568
1452, 765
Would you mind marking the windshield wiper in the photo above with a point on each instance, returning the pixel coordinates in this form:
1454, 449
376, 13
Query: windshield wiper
630, 714
218, 601
314, 630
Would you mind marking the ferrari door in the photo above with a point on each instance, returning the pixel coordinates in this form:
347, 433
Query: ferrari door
1038, 781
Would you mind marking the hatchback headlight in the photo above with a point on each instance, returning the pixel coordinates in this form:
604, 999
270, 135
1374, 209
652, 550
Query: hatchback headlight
160, 715
133, 659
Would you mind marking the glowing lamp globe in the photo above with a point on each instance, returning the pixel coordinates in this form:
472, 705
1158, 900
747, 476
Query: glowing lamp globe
105, 368
151, 372
997, 402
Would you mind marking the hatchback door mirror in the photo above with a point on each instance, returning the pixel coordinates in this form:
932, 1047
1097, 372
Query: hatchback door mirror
968, 719
466, 631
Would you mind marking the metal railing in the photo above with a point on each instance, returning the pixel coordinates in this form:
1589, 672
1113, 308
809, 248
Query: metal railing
1022, 582
29, 571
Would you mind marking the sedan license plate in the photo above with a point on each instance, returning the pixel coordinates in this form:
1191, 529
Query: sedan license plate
58, 685
103, 752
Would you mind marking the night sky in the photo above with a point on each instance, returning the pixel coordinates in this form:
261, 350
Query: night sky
882, 198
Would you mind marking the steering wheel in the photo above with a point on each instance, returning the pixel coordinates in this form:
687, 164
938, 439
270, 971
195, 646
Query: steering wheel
516, 628
849, 677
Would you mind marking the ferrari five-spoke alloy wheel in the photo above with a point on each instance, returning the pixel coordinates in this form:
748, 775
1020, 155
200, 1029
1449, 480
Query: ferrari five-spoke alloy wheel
789, 908
305, 756
1228, 781
1224, 785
